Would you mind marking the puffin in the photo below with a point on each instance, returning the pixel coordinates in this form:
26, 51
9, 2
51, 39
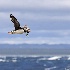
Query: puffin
18, 29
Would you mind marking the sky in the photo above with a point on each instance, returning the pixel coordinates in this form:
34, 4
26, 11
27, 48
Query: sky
49, 21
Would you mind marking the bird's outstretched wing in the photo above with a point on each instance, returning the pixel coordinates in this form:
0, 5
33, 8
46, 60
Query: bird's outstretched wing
16, 23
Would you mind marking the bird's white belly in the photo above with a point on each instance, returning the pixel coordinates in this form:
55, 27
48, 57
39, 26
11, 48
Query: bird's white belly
21, 31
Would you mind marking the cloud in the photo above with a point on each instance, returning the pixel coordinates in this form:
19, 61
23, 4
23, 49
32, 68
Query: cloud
37, 40
35, 4
62, 32
34, 16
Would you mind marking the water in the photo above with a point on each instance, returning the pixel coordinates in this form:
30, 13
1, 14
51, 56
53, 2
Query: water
34, 62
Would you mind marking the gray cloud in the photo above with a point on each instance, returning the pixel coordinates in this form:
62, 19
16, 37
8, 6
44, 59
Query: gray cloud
35, 3
37, 40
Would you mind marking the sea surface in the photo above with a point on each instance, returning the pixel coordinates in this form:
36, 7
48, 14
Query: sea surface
34, 62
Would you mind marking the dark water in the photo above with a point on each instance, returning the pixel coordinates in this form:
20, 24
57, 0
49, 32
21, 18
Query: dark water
35, 63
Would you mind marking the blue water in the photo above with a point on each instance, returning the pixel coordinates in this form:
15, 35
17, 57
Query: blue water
35, 63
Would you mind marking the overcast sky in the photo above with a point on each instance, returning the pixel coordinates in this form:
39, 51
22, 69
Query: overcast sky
49, 21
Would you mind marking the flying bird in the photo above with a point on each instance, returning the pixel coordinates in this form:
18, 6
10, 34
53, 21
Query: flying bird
18, 29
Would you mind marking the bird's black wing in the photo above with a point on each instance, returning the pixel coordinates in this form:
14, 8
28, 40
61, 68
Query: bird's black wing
16, 23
